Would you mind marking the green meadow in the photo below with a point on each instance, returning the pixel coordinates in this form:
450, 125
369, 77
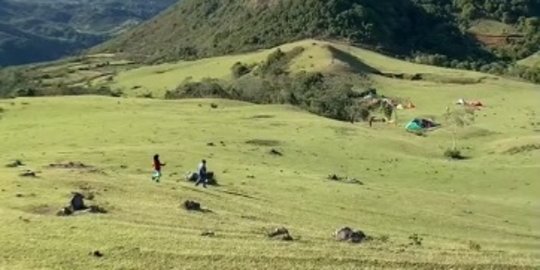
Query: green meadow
478, 213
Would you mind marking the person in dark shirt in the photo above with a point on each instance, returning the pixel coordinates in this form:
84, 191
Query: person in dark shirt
156, 176
202, 174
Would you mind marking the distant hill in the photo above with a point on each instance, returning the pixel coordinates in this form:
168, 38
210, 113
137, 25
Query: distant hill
200, 28
42, 30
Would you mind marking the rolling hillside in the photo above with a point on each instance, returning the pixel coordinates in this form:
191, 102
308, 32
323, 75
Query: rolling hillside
196, 29
275, 166
35, 31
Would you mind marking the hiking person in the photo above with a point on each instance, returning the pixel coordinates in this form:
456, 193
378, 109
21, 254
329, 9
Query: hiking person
156, 175
202, 174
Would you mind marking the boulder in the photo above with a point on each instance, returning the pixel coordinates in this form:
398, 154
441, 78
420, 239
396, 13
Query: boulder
192, 205
280, 233
192, 176
77, 202
350, 235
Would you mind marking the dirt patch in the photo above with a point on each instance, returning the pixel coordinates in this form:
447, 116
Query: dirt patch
522, 149
342, 179
275, 152
263, 142
29, 173
42, 209
263, 116
77, 205
75, 165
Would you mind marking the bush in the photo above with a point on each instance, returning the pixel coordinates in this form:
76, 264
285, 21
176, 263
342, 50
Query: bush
206, 88
453, 154
240, 69
415, 240
474, 246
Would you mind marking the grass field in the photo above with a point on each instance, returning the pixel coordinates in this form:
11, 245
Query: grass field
489, 200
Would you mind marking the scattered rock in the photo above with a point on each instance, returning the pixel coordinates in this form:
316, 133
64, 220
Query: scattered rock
28, 173
97, 254
97, 209
335, 177
280, 233
208, 234
192, 176
70, 165
66, 211
16, 163
275, 152
77, 202
348, 234
210, 178
192, 205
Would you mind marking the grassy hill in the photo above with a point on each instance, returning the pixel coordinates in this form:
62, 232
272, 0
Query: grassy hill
479, 213
531, 61
197, 29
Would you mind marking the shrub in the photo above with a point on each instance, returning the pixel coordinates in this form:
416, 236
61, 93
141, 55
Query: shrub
240, 69
415, 240
205, 88
474, 246
453, 154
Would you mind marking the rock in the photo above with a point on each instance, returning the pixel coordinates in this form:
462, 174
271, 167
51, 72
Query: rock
77, 202
348, 234
16, 163
275, 152
97, 253
208, 234
28, 173
285, 237
66, 211
192, 205
192, 176
278, 231
97, 209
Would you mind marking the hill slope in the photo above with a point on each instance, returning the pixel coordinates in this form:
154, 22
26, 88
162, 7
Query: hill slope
33, 31
196, 28
408, 188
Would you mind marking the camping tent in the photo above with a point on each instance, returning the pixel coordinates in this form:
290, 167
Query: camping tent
420, 124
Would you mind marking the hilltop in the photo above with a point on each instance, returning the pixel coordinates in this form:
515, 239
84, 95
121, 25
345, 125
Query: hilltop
44, 30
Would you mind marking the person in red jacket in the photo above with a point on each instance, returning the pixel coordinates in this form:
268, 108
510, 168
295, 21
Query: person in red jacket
156, 176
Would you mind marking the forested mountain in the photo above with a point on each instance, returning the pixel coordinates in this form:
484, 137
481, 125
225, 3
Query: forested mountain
199, 28
41, 30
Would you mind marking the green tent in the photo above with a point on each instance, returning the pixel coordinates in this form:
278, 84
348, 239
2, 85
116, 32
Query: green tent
413, 126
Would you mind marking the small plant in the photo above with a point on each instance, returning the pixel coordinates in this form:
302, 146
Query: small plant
384, 238
474, 246
416, 240
453, 154
458, 118
240, 69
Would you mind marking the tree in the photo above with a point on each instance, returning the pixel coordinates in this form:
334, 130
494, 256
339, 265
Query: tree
457, 118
